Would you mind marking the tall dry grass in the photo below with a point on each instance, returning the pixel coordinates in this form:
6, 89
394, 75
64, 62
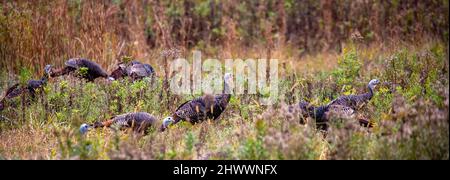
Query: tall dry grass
405, 43
35, 33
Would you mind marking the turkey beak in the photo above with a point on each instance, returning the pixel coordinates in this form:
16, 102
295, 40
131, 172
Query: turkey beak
376, 84
122, 66
48, 70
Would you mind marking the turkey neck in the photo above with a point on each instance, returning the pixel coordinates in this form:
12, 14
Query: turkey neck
226, 91
162, 128
44, 80
318, 112
369, 95
103, 124
176, 118
61, 71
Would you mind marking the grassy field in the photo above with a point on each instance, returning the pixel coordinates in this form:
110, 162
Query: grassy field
404, 44
410, 110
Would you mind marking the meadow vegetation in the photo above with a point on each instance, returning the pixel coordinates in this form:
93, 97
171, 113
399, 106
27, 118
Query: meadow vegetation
319, 61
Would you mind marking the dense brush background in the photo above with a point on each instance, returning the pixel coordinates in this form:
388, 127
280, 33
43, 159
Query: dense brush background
404, 43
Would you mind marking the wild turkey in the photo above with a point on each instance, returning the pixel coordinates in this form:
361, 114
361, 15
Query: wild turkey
297, 111
94, 70
121, 71
206, 106
16, 90
356, 101
133, 69
139, 122
196, 110
324, 114
221, 101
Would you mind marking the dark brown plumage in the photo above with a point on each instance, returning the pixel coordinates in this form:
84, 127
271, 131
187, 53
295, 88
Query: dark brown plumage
14, 91
296, 112
356, 101
220, 104
221, 101
139, 122
10, 93
324, 114
117, 74
196, 110
205, 107
133, 69
93, 69
17, 90
202, 108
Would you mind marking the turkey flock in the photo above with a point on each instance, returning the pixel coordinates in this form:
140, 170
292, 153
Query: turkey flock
197, 110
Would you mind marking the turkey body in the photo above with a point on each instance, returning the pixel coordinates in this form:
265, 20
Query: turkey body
139, 122
139, 71
297, 111
205, 107
324, 115
356, 101
134, 69
202, 108
220, 104
33, 85
16, 90
353, 101
93, 72
195, 110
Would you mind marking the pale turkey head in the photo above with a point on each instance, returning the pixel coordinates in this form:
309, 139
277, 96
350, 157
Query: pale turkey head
48, 70
373, 83
167, 122
84, 128
228, 78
